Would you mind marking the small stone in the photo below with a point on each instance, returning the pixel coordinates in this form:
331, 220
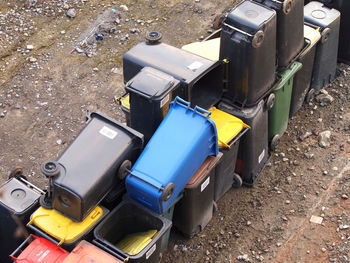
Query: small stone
289, 179
309, 155
197, 1
71, 13
243, 257
95, 69
344, 196
124, 8
30, 47
32, 60
324, 139
279, 244
116, 71
335, 168
237, 235
287, 202
305, 135
201, 37
133, 30
285, 159
324, 249
307, 251
344, 227
249, 223
324, 99
284, 218
59, 141
207, 252
316, 219
325, 172
282, 155
175, 247
63, 32
2, 114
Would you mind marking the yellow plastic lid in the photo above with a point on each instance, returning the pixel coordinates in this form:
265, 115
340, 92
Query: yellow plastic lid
134, 243
209, 49
125, 101
227, 126
313, 35
61, 227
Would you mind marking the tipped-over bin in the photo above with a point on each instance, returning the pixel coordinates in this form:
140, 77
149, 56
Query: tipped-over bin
177, 149
195, 209
127, 221
230, 130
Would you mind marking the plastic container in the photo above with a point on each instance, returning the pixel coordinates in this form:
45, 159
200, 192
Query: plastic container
201, 79
90, 164
344, 38
253, 152
38, 250
18, 200
195, 209
86, 252
326, 54
290, 23
248, 43
209, 49
151, 92
124, 102
279, 114
128, 218
230, 130
177, 149
302, 78
62, 230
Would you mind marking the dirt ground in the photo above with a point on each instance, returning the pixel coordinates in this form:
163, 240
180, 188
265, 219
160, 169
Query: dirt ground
45, 92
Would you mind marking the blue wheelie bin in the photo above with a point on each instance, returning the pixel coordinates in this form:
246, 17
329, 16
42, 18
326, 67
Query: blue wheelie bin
184, 139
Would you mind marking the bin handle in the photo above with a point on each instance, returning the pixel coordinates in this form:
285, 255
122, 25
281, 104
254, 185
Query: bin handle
107, 248
202, 111
182, 101
14, 253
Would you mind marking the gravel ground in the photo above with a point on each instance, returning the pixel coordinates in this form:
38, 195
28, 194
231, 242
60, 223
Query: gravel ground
45, 92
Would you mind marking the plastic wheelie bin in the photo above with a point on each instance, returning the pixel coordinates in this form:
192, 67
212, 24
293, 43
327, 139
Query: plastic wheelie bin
230, 130
151, 92
201, 79
343, 6
177, 149
327, 50
61, 230
124, 102
86, 252
127, 220
88, 169
38, 250
279, 114
209, 49
18, 200
290, 23
253, 151
195, 209
302, 78
248, 44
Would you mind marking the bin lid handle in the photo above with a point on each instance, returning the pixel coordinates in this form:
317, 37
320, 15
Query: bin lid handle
180, 101
202, 111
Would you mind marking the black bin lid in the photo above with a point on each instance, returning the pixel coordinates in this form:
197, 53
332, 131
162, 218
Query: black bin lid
250, 16
152, 84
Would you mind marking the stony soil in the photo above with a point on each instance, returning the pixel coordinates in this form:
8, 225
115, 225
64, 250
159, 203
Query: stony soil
45, 92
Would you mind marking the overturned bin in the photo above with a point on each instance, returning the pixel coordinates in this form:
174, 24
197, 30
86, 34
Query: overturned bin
177, 149
132, 233
195, 209
230, 130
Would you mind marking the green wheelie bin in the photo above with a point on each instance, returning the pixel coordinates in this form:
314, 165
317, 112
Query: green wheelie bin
278, 115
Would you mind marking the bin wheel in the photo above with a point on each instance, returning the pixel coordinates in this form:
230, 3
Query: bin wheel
270, 101
50, 169
275, 142
310, 95
45, 201
258, 39
325, 35
17, 172
167, 192
124, 169
237, 181
217, 22
153, 37
287, 6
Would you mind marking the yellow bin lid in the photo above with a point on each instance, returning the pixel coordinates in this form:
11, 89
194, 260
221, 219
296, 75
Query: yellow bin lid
125, 101
134, 243
61, 227
209, 49
227, 126
313, 35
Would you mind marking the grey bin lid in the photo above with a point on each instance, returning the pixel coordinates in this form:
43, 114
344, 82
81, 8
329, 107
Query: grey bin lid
17, 196
318, 14
152, 83
250, 16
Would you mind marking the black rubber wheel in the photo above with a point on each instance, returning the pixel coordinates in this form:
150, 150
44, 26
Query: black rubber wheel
237, 181
258, 39
287, 6
275, 142
17, 172
50, 169
325, 35
310, 95
270, 101
153, 37
45, 202
124, 169
167, 192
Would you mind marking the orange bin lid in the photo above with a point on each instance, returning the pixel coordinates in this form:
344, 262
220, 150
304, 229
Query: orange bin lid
206, 166
85, 252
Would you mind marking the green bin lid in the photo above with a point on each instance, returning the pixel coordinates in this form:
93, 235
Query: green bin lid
288, 74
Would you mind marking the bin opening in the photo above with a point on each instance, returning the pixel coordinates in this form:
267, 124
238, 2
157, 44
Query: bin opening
133, 244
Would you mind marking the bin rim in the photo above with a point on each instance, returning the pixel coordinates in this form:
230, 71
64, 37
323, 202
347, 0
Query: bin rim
288, 74
118, 252
312, 34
